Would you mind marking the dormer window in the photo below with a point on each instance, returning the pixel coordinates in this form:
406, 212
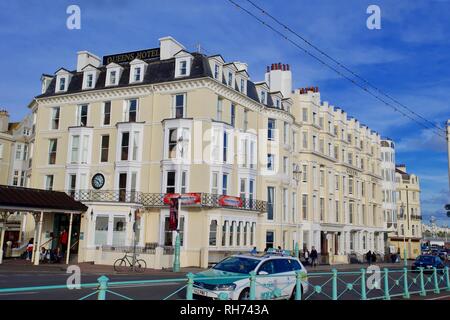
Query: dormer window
62, 84
263, 97
277, 103
230, 78
137, 74
242, 87
183, 68
90, 78
112, 77
216, 71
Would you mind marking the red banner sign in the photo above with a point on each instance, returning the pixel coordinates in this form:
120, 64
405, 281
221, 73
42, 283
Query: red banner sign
230, 201
185, 198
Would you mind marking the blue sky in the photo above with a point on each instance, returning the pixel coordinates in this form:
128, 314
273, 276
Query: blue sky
408, 58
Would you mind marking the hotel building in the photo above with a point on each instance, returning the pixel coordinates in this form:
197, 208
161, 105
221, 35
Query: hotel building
257, 163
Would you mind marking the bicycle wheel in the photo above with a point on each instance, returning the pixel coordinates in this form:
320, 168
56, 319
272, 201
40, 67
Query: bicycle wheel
140, 265
120, 265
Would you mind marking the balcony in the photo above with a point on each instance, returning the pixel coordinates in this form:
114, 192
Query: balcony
160, 200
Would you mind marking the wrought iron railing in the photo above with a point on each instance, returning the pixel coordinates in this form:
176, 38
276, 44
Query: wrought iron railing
363, 284
153, 200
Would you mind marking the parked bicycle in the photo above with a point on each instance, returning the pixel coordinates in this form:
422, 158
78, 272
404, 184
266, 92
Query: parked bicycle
125, 264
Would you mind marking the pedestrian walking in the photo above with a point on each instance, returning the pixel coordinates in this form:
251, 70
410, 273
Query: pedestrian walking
374, 257
313, 257
306, 256
30, 248
369, 257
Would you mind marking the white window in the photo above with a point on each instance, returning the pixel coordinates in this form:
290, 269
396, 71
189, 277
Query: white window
106, 113
183, 67
286, 133
215, 183
19, 151
242, 88
49, 182
270, 162
82, 115
216, 71
285, 165
112, 77
178, 143
1, 151
15, 181
225, 184
62, 84
85, 150
131, 110
55, 118
137, 74
135, 146
219, 109
271, 126
230, 78
263, 97
90, 81
179, 106
75, 149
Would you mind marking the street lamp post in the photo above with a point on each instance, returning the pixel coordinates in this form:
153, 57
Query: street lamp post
296, 174
402, 213
176, 260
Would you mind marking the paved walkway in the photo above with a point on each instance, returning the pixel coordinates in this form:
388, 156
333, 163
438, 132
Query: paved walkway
20, 265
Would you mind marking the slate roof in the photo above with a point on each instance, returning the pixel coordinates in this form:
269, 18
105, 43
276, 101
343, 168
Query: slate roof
28, 198
157, 72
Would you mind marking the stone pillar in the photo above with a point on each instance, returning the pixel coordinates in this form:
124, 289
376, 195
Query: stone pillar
2, 239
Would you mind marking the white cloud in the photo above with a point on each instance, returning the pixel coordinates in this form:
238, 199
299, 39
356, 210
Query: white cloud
425, 140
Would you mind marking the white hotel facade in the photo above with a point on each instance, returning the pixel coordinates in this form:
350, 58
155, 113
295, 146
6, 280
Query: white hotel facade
264, 165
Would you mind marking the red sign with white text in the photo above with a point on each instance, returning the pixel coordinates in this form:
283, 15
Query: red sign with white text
185, 198
230, 201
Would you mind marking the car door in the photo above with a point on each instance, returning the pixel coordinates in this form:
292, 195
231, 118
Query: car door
265, 283
285, 277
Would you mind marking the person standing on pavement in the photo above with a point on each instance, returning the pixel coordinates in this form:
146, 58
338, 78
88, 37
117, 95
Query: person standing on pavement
374, 257
313, 257
63, 241
369, 257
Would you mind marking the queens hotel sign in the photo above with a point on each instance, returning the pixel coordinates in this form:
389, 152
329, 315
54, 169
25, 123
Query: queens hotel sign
130, 56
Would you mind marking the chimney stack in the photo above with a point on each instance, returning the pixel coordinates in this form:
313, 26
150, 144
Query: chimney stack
279, 78
4, 120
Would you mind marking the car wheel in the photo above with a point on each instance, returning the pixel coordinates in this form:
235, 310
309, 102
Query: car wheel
245, 294
293, 293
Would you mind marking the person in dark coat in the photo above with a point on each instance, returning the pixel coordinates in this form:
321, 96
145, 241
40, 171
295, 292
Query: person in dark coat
313, 256
369, 257
374, 257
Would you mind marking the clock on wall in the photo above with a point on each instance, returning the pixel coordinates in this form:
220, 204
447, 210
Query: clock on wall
98, 181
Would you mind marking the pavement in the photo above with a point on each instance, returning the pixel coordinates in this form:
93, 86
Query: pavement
20, 273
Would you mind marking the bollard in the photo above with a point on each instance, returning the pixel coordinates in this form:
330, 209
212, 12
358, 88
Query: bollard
253, 285
298, 285
423, 292
436, 283
447, 277
102, 287
405, 284
334, 285
190, 286
386, 284
363, 284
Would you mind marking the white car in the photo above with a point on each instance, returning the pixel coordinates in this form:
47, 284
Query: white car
277, 280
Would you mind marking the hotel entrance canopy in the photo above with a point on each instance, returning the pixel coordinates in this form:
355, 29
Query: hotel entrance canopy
36, 201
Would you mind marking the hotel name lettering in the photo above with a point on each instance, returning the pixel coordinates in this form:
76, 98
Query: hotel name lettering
130, 56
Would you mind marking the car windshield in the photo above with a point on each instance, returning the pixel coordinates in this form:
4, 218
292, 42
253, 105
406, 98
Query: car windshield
237, 265
425, 259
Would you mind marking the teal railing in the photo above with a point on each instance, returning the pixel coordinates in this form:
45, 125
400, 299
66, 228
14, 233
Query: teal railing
360, 284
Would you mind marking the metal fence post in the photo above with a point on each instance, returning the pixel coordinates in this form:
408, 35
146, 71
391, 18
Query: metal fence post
363, 284
386, 284
423, 292
405, 284
103, 286
447, 277
298, 285
334, 284
190, 286
252, 285
436, 283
